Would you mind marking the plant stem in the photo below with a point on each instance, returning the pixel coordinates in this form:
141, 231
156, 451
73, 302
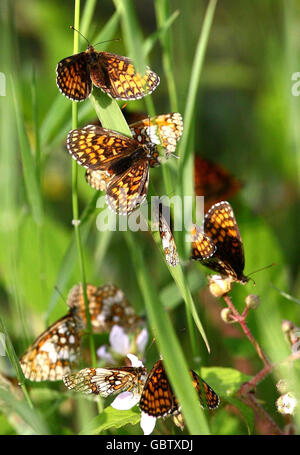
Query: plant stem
76, 221
241, 320
259, 410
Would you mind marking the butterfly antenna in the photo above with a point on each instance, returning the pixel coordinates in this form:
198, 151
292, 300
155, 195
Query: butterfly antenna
263, 268
73, 28
108, 41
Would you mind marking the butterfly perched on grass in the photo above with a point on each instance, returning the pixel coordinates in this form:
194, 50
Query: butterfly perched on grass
113, 74
158, 134
219, 245
166, 235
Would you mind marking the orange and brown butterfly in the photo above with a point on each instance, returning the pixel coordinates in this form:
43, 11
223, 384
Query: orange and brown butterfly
166, 235
125, 161
220, 244
55, 352
213, 182
113, 74
158, 399
107, 381
108, 306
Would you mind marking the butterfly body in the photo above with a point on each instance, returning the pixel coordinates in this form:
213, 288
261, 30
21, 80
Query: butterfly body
112, 73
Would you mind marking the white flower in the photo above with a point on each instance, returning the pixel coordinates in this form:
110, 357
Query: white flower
147, 423
104, 354
142, 340
125, 401
286, 403
119, 340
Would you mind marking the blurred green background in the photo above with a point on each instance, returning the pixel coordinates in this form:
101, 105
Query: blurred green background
245, 118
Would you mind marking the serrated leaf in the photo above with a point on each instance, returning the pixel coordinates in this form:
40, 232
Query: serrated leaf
225, 381
111, 418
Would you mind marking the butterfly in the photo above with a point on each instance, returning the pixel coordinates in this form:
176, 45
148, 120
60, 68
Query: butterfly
108, 306
213, 182
162, 131
220, 246
156, 396
167, 238
106, 381
125, 161
158, 399
55, 352
113, 74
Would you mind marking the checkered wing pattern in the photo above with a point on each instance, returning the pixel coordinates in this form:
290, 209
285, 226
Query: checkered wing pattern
98, 148
55, 351
73, 77
97, 179
167, 238
158, 399
221, 226
163, 130
105, 382
121, 80
208, 397
203, 247
108, 306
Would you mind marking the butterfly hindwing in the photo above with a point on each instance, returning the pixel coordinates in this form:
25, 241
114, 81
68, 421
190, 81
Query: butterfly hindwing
73, 77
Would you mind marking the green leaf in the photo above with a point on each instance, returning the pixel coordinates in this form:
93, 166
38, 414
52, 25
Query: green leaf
246, 411
111, 418
225, 381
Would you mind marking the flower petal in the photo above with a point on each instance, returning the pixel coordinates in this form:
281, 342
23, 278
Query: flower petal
147, 423
142, 340
135, 362
125, 401
103, 354
119, 340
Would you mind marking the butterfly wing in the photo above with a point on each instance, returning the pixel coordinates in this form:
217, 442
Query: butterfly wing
120, 80
108, 306
221, 226
157, 398
163, 130
167, 238
128, 190
73, 77
208, 397
203, 247
97, 179
104, 381
98, 148
55, 352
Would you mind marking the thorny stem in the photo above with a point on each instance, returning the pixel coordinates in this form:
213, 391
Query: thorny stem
241, 319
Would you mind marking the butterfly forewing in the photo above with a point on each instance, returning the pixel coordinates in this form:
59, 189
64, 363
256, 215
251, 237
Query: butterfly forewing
158, 399
105, 382
73, 77
108, 306
55, 352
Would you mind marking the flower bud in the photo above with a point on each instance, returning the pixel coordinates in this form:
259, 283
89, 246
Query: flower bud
286, 326
282, 386
219, 286
252, 301
286, 403
225, 316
